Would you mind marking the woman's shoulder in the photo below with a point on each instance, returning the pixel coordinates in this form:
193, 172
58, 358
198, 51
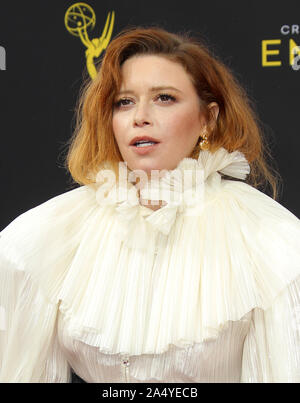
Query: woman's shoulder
55, 208
269, 234
41, 242
262, 219
253, 201
43, 228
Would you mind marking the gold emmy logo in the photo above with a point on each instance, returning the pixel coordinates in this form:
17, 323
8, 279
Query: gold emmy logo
78, 18
272, 57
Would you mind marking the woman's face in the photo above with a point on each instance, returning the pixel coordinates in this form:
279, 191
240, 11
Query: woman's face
147, 106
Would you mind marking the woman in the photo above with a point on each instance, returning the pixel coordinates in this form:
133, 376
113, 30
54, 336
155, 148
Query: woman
167, 264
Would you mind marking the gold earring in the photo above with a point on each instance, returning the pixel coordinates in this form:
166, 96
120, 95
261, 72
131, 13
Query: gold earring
204, 143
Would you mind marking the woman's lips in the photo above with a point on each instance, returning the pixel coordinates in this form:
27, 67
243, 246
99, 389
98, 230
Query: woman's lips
145, 149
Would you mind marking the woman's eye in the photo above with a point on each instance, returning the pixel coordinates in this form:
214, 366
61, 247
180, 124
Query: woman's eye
122, 102
166, 97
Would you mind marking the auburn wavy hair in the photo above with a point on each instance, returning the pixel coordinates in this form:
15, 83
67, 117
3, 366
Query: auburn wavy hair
237, 126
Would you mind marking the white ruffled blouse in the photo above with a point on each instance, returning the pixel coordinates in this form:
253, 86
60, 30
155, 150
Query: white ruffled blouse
204, 289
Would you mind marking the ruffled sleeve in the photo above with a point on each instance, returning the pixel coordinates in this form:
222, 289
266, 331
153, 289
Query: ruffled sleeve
272, 238
272, 346
36, 250
28, 345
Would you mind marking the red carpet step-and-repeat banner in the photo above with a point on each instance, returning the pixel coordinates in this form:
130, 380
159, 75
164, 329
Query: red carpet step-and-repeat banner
48, 47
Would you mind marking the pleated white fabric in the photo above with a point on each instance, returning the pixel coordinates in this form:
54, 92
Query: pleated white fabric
204, 289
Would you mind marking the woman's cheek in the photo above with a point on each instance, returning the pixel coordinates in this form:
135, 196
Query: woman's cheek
117, 125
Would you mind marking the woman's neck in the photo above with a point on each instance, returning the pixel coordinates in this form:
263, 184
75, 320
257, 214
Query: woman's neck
153, 205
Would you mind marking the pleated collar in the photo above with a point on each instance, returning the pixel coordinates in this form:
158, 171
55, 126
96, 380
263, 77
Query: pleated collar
180, 189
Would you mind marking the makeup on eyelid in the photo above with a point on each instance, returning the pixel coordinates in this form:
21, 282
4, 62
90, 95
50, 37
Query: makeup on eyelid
118, 103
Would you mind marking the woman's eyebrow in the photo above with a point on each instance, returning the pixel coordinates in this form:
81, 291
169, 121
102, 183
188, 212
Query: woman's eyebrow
152, 89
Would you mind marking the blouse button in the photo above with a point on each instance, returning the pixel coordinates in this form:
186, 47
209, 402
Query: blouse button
125, 363
125, 360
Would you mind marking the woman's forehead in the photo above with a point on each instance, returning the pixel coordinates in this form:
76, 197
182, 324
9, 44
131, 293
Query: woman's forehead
154, 72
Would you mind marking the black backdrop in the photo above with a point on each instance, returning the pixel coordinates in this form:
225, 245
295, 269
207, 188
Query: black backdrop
42, 66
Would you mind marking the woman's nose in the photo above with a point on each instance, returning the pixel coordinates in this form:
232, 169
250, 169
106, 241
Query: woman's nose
142, 116
141, 122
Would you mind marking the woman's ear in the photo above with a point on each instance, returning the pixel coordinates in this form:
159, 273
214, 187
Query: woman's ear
214, 109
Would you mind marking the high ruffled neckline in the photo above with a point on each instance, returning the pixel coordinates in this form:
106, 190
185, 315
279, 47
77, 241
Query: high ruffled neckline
181, 190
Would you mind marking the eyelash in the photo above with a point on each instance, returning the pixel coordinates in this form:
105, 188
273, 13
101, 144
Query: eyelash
119, 103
